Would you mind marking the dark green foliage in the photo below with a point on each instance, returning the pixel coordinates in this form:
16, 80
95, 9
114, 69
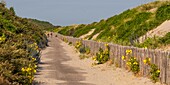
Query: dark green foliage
43, 24
68, 30
20, 41
151, 43
155, 72
104, 33
12, 10
166, 39
82, 49
82, 30
163, 13
102, 56
134, 65
126, 30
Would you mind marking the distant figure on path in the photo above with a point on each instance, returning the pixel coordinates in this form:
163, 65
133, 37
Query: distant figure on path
51, 34
48, 35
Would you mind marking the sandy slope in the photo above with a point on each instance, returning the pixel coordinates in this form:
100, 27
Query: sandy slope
159, 31
61, 66
89, 33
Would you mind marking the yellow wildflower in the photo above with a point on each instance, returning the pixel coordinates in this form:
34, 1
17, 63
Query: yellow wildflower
1, 39
123, 57
101, 56
36, 47
35, 66
35, 71
109, 37
28, 69
128, 63
33, 59
35, 44
106, 51
106, 45
149, 59
135, 63
145, 47
144, 61
128, 52
94, 58
158, 71
29, 77
23, 69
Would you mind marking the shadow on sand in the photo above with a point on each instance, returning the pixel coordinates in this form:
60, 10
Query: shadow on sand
62, 72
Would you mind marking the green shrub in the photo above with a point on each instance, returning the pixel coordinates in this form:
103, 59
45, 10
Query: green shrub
83, 30
163, 12
20, 42
151, 43
82, 49
103, 55
165, 40
78, 44
155, 72
70, 43
133, 64
87, 49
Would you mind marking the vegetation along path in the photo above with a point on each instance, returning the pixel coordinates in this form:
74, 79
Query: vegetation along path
61, 65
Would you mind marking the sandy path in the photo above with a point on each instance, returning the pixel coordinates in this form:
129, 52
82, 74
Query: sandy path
60, 65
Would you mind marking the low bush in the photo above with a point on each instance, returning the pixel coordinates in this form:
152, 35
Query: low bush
154, 72
103, 55
20, 44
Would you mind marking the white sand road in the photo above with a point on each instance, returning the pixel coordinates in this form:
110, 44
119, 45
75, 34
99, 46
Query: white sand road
60, 65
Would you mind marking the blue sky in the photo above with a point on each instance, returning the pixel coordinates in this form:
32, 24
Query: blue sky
67, 12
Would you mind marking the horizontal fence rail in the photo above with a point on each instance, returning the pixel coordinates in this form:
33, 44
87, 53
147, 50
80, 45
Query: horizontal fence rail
158, 57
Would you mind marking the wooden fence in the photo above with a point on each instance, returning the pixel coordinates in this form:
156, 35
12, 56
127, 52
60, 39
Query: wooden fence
160, 58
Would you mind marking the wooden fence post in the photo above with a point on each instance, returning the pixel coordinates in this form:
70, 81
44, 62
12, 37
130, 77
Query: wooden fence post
168, 69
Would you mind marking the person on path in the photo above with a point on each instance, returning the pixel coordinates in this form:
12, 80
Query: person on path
48, 35
51, 34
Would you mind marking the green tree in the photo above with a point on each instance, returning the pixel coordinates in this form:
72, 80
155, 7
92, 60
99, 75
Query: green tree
12, 10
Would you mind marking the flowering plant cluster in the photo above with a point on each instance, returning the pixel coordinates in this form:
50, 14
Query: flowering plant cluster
128, 54
34, 46
29, 71
2, 38
154, 72
78, 44
133, 64
103, 55
147, 61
